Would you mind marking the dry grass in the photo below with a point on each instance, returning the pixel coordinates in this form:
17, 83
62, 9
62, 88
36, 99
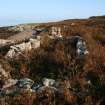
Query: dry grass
56, 59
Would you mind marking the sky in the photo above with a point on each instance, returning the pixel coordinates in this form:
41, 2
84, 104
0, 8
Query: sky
14, 12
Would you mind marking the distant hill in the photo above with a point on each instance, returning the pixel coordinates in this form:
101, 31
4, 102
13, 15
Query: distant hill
97, 17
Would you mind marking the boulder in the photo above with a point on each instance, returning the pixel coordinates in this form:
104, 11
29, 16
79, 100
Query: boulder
79, 44
25, 83
56, 32
81, 48
18, 49
48, 82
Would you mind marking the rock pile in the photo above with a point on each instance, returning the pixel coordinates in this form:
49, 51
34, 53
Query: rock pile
12, 86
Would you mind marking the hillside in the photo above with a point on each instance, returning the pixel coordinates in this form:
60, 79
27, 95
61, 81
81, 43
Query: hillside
93, 25
55, 63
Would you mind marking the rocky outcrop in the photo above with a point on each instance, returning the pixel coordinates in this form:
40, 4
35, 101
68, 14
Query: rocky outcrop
23, 47
4, 42
21, 36
25, 83
56, 31
23, 27
48, 82
81, 47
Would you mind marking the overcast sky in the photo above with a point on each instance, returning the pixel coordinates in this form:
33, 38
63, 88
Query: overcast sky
27, 11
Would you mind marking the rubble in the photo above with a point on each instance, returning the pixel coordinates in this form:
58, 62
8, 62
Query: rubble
13, 86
